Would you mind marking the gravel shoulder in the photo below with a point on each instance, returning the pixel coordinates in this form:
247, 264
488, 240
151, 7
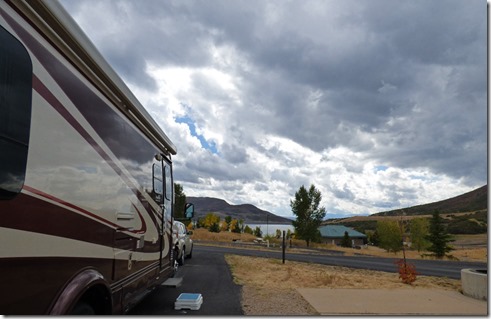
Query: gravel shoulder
272, 302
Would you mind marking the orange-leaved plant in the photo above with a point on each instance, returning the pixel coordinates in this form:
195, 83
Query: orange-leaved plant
407, 272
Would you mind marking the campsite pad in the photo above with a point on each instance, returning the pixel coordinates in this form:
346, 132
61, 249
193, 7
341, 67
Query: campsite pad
410, 301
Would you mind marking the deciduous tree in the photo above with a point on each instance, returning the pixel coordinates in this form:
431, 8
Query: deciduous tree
389, 235
212, 222
418, 228
308, 212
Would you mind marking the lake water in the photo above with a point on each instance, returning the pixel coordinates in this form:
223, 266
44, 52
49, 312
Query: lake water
270, 229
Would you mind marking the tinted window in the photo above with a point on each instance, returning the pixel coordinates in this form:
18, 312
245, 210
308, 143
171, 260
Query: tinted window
169, 187
15, 113
158, 186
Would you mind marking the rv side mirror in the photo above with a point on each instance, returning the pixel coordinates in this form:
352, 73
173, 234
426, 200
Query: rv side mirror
189, 211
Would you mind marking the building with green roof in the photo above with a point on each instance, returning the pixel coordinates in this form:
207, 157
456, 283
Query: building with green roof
333, 234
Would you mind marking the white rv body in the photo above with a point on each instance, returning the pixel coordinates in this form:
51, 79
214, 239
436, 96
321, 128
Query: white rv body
86, 187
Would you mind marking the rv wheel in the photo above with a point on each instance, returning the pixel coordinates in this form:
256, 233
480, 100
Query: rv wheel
83, 308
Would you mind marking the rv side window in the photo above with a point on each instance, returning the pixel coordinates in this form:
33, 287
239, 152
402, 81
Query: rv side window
168, 182
158, 186
15, 113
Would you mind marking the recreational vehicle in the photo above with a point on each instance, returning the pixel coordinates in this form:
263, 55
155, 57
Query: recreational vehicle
86, 186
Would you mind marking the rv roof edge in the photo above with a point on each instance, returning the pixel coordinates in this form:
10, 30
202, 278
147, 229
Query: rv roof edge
60, 27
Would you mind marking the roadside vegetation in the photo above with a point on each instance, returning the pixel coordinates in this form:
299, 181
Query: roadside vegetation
456, 236
467, 247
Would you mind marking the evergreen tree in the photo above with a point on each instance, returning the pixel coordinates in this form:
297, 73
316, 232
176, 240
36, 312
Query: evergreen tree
248, 230
228, 220
180, 201
346, 241
375, 238
257, 232
309, 214
438, 236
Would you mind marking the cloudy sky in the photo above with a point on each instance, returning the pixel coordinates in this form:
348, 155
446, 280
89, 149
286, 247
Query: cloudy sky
379, 104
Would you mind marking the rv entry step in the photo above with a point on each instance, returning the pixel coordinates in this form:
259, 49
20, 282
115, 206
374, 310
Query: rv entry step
172, 282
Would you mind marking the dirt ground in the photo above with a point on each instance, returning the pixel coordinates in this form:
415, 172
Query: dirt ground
269, 287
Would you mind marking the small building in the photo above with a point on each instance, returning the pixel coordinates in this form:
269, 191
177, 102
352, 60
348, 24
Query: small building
333, 234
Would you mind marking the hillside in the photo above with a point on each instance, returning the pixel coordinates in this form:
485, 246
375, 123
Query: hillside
471, 201
464, 214
247, 212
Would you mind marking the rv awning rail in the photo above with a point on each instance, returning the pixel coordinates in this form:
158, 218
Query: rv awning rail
60, 28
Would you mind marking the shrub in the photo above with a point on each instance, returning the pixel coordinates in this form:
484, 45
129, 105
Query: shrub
407, 272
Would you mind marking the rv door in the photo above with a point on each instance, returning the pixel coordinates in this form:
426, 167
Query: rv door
163, 188
167, 213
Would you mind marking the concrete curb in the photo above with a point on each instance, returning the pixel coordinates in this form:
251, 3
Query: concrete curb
475, 283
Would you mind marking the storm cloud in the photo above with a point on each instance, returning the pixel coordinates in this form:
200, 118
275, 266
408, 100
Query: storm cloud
380, 104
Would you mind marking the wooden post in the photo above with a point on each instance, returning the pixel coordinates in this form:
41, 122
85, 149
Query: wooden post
284, 246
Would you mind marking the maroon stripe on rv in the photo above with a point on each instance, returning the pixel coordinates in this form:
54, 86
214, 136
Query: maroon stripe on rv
28, 213
86, 212
36, 215
61, 74
143, 229
60, 201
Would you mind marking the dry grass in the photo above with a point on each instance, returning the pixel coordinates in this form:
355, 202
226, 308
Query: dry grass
224, 236
269, 287
266, 273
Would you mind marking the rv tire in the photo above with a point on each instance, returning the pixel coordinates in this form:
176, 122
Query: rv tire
83, 308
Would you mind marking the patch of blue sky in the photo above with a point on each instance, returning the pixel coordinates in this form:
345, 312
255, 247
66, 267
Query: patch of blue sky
420, 177
379, 168
210, 146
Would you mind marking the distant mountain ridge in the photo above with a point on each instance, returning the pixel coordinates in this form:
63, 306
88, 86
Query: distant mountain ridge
472, 201
247, 212
468, 202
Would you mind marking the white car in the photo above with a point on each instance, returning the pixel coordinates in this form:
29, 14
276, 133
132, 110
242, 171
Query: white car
182, 242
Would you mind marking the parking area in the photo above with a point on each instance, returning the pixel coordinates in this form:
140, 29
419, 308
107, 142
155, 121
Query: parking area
205, 273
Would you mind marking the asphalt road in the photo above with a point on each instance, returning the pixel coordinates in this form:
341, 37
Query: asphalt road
438, 268
206, 273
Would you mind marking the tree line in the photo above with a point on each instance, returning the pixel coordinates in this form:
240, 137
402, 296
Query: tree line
429, 235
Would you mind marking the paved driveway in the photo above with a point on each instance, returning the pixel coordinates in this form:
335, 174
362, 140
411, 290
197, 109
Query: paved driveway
206, 273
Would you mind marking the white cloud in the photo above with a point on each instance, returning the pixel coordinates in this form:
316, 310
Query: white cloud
380, 105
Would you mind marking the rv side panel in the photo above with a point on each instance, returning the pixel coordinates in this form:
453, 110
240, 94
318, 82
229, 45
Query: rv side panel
91, 203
